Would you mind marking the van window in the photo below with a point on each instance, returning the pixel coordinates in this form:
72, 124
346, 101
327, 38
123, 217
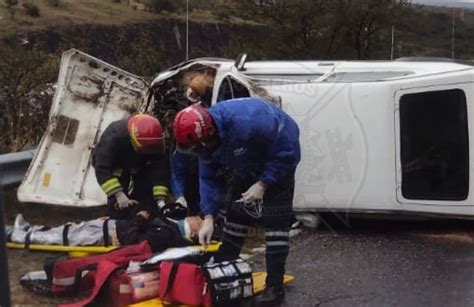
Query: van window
434, 145
230, 88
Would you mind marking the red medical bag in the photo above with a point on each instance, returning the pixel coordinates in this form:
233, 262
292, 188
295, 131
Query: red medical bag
183, 283
75, 276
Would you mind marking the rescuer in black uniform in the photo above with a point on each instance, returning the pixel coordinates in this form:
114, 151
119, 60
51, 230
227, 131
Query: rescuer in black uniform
132, 150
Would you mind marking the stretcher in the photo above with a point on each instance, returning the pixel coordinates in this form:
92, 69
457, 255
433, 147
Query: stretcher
84, 251
258, 287
74, 251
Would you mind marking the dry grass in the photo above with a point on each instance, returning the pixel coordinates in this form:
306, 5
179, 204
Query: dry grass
73, 12
70, 12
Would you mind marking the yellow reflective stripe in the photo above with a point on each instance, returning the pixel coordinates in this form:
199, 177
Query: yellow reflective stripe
118, 172
111, 185
112, 188
160, 190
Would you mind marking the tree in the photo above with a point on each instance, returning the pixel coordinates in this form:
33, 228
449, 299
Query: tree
324, 28
26, 77
298, 24
363, 20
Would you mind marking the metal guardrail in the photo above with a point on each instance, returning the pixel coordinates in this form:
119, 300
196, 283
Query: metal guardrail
4, 281
13, 167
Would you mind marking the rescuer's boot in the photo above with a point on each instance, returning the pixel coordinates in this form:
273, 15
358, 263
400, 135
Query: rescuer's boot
272, 296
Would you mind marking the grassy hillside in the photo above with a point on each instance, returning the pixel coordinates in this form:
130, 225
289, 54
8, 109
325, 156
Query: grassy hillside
101, 12
427, 31
128, 35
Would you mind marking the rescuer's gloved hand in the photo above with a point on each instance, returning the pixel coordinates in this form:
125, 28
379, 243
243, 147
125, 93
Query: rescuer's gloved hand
255, 192
206, 231
123, 202
174, 211
161, 204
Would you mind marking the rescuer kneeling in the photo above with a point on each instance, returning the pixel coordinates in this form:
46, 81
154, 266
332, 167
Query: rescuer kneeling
132, 150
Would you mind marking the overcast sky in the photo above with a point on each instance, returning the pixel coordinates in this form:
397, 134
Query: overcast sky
434, 1
454, 3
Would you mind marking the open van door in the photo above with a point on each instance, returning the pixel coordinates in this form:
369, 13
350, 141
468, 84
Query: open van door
90, 95
434, 158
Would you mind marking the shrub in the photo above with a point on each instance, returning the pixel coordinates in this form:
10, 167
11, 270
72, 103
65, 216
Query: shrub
223, 12
55, 3
31, 9
11, 3
158, 6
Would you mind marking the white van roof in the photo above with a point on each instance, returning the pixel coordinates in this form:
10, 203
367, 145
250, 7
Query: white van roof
343, 71
392, 69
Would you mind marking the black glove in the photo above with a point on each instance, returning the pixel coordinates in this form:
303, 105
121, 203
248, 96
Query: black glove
175, 211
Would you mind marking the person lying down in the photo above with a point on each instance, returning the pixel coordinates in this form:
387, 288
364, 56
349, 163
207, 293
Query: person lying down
161, 233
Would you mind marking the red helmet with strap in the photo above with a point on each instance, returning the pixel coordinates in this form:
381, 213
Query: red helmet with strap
146, 133
191, 125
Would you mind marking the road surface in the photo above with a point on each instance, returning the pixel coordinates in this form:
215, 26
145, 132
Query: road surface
357, 263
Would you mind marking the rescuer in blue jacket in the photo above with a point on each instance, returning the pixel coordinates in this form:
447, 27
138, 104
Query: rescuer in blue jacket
248, 152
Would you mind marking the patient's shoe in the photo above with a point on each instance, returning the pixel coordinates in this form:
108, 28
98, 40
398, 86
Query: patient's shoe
21, 223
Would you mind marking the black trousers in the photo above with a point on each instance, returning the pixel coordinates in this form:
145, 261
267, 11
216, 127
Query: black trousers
140, 190
276, 218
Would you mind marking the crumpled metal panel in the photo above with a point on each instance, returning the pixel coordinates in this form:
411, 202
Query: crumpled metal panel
90, 95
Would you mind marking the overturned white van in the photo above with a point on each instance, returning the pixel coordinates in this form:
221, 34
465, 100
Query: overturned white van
376, 136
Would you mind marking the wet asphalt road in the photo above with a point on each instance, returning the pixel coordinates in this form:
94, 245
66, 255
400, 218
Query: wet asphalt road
384, 263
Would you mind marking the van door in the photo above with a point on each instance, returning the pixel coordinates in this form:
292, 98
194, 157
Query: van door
90, 95
432, 145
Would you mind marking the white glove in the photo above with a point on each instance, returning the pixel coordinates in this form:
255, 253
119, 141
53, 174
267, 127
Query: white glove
182, 201
123, 201
161, 204
205, 233
254, 193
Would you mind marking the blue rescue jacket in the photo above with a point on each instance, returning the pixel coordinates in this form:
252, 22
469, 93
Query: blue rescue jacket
179, 165
258, 141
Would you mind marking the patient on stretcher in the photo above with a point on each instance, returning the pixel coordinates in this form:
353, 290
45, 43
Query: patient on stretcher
161, 233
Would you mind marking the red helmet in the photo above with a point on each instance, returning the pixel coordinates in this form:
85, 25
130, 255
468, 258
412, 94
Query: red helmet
146, 133
191, 125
